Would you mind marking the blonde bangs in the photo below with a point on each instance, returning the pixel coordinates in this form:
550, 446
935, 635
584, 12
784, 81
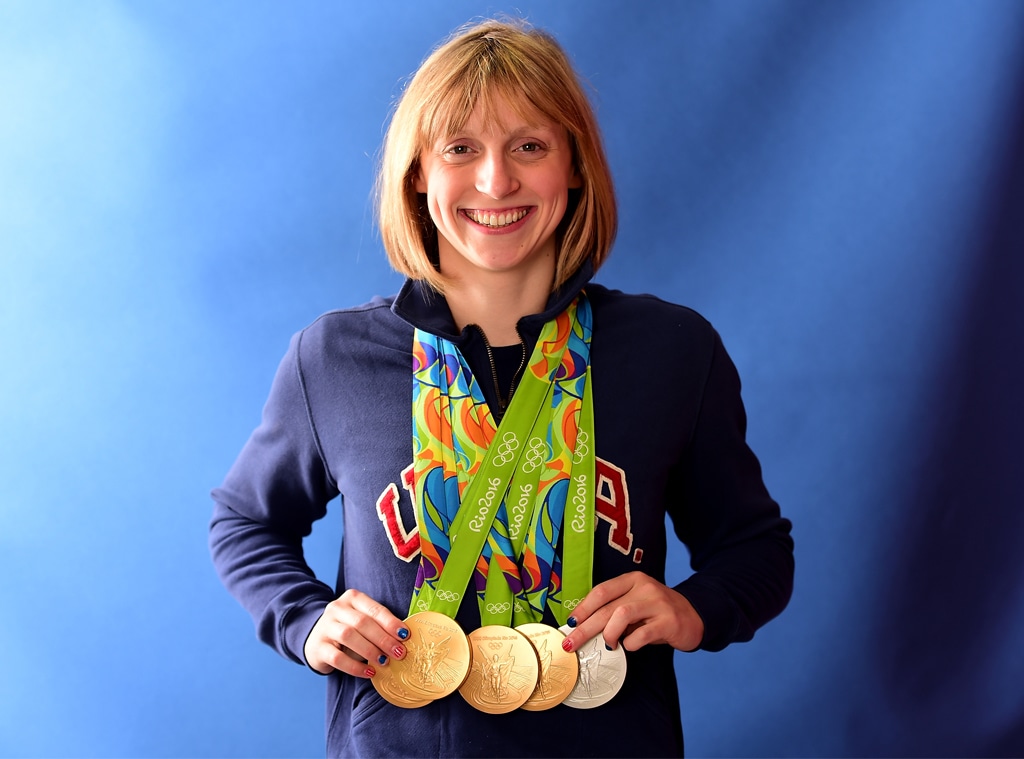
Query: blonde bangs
482, 82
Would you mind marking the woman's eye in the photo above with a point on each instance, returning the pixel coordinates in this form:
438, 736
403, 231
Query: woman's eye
458, 150
530, 147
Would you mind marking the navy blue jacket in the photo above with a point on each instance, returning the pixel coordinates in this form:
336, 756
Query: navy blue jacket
670, 439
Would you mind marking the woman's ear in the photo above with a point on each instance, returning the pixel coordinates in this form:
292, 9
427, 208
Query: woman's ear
420, 182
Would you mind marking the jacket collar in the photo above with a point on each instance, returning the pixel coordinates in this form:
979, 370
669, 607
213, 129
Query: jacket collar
423, 308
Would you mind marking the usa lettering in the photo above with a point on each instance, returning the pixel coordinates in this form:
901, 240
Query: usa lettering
405, 544
611, 505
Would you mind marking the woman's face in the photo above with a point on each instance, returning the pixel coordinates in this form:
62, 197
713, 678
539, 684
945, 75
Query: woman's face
497, 191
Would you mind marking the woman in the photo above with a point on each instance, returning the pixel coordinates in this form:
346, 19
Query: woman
496, 202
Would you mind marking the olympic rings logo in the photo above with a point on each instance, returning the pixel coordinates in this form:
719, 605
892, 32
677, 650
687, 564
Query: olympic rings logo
499, 608
506, 449
582, 449
535, 455
571, 603
449, 595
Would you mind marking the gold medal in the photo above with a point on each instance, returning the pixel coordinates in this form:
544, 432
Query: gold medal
504, 671
388, 684
559, 669
435, 665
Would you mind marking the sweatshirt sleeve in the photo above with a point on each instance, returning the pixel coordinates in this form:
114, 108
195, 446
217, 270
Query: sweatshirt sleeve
276, 489
740, 545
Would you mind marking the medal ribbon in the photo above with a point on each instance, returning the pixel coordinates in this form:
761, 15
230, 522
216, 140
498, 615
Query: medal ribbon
526, 468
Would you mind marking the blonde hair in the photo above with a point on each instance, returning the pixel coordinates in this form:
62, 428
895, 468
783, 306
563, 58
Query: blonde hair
490, 60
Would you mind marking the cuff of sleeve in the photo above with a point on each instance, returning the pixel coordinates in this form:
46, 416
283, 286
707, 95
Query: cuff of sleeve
297, 627
720, 617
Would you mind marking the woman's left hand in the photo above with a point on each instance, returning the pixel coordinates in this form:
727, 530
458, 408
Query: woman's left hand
637, 610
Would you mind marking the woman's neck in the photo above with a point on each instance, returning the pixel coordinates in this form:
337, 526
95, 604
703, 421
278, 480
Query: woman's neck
497, 306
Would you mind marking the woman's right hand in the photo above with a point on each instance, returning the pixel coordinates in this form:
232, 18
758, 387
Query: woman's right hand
354, 635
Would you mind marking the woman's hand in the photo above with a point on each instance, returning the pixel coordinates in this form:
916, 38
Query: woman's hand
638, 610
354, 635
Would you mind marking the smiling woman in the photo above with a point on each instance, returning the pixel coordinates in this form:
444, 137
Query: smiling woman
499, 86
497, 203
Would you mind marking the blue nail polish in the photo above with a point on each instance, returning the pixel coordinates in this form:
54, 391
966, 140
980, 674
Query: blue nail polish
382, 659
571, 621
608, 647
403, 633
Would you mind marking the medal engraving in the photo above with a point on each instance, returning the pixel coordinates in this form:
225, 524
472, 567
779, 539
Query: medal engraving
435, 665
602, 673
504, 671
559, 669
392, 690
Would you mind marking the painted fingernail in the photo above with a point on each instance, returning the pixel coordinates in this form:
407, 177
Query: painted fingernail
398, 652
571, 621
403, 633
382, 659
609, 648
370, 672
567, 645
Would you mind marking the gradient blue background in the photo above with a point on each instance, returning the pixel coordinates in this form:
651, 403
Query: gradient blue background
838, 186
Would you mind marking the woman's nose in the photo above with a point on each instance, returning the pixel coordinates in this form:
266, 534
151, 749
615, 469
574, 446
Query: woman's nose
496, 176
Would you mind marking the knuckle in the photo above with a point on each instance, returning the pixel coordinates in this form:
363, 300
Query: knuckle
343, 663
620, 611
342, 602
349, 595
346, 635
335, 605
624, 614
598, 596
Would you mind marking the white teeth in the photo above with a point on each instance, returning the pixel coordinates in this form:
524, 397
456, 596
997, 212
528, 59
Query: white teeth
496, 220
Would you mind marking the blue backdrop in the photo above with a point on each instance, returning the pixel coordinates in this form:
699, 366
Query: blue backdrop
838, 186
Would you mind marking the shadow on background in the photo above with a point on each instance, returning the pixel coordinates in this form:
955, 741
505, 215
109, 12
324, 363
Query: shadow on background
949, 644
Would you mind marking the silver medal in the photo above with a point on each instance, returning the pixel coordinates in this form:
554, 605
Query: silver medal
602, 673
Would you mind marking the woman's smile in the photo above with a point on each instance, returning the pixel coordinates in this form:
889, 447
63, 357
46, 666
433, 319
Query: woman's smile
498, 219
